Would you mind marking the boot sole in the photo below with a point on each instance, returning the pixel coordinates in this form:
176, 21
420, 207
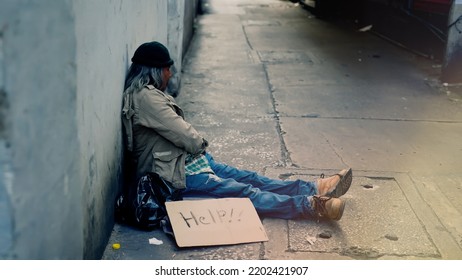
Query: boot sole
343, 185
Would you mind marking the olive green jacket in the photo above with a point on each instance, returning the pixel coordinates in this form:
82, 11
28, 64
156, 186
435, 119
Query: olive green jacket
158, 136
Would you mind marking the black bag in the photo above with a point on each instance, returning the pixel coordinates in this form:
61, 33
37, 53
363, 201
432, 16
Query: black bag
146, 208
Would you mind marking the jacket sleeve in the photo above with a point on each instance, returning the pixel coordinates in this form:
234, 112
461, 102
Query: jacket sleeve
158, 112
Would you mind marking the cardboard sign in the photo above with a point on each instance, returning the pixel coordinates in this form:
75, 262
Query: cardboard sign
215, 222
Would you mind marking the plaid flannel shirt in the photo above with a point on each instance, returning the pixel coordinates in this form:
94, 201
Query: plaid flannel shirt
197, 165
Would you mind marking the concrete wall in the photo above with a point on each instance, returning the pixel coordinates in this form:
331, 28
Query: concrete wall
62, 67
181, 20
41, 187
452, 68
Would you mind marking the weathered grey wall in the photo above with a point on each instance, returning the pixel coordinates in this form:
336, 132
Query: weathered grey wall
40, 148
188, 23
62, 67
181, 17
452, 68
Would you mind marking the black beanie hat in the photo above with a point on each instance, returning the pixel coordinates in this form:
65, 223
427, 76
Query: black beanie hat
152, 54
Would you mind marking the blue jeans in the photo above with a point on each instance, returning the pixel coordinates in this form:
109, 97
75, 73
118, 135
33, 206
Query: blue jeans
271, 198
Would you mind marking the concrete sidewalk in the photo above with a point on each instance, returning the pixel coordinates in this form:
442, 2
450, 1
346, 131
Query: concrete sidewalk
281, 92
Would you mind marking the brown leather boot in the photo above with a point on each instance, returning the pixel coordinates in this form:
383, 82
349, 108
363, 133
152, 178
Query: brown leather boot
328, 207
335, 185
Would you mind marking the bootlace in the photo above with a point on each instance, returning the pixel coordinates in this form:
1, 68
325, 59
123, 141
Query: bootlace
320, 205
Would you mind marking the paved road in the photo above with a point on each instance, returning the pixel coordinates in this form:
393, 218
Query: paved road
281, 92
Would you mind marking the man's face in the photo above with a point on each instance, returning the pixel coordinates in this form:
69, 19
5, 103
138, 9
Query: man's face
166, 75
